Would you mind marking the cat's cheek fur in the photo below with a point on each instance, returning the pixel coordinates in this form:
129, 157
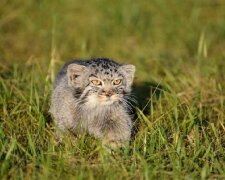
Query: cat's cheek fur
91, 101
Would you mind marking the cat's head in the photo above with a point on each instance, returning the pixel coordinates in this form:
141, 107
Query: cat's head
103, 82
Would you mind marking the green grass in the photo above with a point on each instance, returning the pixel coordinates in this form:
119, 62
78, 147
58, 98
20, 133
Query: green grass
176, 46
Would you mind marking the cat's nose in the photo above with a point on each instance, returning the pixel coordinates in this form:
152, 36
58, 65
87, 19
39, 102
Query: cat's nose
108, 93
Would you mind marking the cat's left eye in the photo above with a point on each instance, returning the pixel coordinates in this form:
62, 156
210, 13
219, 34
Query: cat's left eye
96, 82
117, 82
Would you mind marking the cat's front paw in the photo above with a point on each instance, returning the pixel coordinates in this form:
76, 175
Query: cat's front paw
114, 144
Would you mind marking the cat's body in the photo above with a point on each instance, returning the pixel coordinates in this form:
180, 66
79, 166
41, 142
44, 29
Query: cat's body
92, 96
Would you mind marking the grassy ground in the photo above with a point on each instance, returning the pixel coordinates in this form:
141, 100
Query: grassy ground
178, 49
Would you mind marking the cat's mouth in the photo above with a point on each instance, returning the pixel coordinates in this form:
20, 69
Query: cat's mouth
107, 99
101, 100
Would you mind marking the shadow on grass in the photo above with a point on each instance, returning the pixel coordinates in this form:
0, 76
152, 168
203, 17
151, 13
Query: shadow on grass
144, 93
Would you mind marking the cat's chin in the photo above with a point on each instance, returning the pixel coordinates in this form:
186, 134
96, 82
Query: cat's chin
106, 102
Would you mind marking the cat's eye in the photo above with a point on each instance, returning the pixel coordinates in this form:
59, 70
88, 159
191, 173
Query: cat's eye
96, 82
117, 82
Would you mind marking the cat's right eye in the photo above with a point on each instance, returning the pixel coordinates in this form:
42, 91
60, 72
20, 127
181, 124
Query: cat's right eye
117, 82
96, 82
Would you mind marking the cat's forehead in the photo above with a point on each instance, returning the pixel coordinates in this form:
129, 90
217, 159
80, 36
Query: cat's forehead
103, 63
105, 69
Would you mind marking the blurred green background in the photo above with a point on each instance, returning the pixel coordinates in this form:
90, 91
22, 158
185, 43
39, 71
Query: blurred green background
171, 33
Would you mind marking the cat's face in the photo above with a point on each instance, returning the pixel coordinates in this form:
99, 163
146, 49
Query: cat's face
105, 90
104, 83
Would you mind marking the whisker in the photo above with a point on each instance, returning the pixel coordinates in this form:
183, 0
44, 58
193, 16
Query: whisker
128, 106
133, 95
132, 99
128, 103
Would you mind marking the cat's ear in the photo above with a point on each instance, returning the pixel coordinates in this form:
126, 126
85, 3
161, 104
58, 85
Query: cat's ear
73, 72
130, 70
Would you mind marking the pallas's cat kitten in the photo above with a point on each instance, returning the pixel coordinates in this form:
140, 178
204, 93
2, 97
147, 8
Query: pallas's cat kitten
92, 96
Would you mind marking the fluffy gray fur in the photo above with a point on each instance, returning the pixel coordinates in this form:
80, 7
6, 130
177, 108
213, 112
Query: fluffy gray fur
102, 110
